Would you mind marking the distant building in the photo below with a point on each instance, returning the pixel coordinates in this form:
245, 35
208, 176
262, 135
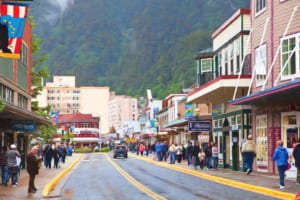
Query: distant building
65, 98
122, 109
84, 127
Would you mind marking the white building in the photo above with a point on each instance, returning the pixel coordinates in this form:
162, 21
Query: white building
65, 98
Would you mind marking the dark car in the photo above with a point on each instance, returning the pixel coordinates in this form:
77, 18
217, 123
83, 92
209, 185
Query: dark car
120, 150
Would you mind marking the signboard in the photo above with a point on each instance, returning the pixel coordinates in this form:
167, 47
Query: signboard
199, 126
26, 126
188, 111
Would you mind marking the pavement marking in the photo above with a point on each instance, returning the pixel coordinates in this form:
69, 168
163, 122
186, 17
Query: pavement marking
224, 181
136, 183
50, 186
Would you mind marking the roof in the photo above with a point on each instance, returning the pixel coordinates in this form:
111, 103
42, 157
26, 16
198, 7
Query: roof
77, 117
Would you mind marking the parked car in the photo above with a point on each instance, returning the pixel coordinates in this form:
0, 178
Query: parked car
120, 150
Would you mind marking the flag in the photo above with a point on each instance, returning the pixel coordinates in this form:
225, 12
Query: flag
54, 116
12, 22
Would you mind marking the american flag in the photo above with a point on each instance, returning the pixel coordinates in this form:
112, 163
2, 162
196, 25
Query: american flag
13, 15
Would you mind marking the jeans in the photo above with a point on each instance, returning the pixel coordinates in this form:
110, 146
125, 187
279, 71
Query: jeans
158, 155
248, 160
190, 158
13, 174
4, 172
281, 170
172, 158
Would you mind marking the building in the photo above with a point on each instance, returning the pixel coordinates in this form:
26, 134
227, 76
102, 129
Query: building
83, 127
65, 98
17, 122
122, 109
274, 89
224, 73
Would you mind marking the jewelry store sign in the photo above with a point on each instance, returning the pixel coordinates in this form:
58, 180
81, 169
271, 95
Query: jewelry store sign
199, 126
26, 126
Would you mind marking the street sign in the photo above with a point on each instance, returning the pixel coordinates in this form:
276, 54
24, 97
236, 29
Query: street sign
199, 126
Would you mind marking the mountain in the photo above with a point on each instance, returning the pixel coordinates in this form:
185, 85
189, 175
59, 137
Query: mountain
129, 45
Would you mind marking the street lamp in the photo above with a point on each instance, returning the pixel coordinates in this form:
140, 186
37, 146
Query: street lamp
157, 127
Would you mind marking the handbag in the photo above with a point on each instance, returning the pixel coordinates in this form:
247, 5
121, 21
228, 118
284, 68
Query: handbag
289, 166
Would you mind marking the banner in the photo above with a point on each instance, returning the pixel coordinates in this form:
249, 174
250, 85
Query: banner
12, 22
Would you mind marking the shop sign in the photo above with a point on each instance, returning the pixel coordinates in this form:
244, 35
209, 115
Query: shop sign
26, 126
199, 126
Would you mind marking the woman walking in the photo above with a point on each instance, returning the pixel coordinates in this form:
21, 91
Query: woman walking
281, 157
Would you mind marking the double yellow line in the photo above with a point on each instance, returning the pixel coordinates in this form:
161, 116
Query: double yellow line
134, 182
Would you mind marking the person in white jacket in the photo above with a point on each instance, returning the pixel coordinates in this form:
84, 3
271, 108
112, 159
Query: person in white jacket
248, 152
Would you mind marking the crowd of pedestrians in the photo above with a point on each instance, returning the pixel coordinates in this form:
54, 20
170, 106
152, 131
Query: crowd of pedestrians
10, 162
204, 157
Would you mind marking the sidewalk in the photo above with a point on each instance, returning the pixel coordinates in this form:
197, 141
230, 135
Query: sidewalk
42, 179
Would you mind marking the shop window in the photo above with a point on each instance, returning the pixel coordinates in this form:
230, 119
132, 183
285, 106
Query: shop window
261, 143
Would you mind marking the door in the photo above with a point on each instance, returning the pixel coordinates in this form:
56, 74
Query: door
235, 150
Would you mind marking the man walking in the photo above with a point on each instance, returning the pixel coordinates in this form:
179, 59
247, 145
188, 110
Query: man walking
248, 152
12, 165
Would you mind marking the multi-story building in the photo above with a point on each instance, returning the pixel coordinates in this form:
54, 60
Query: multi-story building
122, 109
274, 89
17, 122
224, 73
65, 98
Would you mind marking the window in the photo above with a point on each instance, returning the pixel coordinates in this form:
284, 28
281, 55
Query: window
24, 54
237, 50
290, 56
220, 62
22, 101
231, 53
260, 5
206, 65
6, 93
261, 143
226, 61
260, 64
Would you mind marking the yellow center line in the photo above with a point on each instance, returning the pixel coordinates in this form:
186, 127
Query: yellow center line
134, 182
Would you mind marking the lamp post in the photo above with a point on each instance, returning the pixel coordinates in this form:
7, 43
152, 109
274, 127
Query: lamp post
157, 127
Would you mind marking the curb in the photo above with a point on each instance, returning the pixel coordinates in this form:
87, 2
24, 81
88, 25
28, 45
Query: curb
51, 185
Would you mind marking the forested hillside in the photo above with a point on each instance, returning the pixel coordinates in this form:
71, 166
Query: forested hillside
129, 45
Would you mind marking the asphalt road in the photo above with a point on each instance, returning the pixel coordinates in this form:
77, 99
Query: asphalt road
98, 176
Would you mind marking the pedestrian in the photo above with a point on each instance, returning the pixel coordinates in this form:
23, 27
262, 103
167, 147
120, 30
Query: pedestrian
208, 156
179, 152
172, 150
12, 165
296, 155
215, 155
48, 155
142, 149
196, 150
281, 158
3, 165
201, 157
32, 168
248, 152
189, 153
164, 151
158, 149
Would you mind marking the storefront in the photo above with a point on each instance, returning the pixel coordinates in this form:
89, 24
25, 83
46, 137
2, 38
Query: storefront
229, 131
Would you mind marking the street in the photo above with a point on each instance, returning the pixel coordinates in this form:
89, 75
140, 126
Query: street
98, 176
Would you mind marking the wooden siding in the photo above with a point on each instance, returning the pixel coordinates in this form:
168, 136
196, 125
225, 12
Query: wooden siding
228, 33
258, 24
276, 27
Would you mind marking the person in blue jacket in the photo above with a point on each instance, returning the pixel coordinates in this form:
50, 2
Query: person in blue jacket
281, 158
